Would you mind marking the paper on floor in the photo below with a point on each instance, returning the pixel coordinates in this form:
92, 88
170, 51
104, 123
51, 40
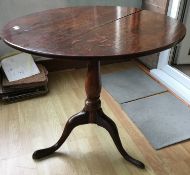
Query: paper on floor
19, 66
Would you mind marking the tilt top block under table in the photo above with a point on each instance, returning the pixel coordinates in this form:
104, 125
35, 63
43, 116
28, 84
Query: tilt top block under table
93, 34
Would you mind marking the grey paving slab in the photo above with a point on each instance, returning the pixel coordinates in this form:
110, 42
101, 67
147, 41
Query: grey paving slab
163, 119
130, 85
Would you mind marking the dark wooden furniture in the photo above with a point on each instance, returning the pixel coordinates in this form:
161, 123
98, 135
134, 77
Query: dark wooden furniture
93, 34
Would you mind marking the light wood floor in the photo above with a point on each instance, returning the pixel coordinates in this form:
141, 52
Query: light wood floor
38, 123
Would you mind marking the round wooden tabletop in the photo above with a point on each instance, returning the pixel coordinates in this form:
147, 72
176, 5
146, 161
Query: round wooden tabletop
99, 32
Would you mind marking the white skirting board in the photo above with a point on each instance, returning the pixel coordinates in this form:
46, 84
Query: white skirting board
175, 86
177, 75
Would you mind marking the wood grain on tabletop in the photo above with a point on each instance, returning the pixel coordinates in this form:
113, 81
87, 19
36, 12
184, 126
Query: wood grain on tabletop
93, 32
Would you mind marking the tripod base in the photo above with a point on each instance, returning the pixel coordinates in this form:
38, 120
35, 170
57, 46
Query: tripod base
92, 113
83, 118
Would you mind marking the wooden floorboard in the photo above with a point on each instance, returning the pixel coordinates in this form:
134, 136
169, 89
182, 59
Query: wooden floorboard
37, 123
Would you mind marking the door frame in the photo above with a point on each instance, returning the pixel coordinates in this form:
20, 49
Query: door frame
172, 78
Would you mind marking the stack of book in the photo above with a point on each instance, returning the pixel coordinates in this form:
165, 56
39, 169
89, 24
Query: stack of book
32, 86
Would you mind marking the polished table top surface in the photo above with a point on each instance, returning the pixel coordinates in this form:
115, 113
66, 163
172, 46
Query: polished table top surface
97, 32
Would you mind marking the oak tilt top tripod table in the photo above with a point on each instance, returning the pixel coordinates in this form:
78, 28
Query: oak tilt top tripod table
93, 34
